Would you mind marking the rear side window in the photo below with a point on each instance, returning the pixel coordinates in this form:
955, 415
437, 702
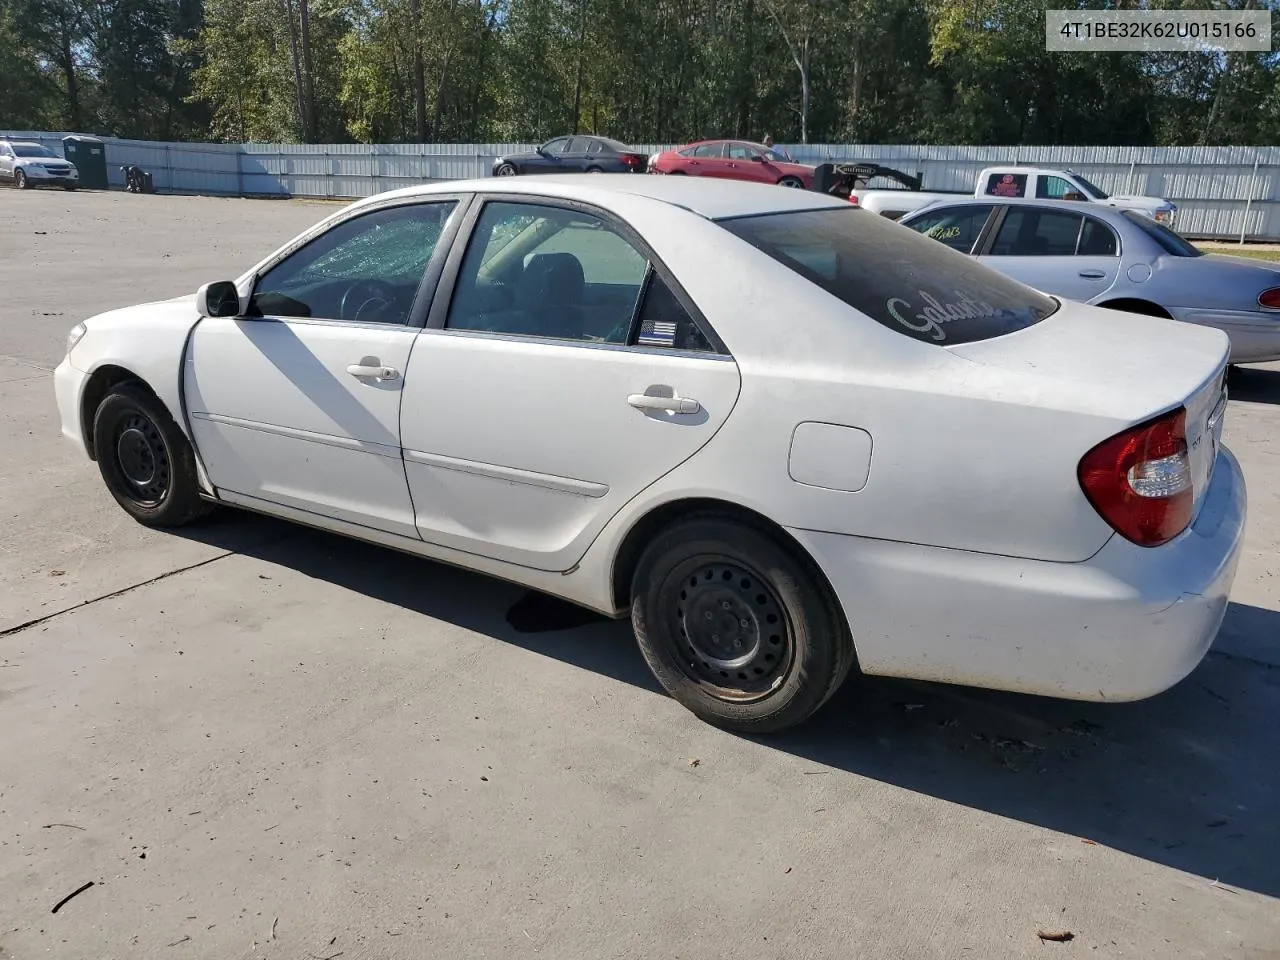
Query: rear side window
899, 278
1170, 241
1007, 185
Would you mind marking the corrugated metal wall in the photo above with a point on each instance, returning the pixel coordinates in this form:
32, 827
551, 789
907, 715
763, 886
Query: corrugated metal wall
1220, 191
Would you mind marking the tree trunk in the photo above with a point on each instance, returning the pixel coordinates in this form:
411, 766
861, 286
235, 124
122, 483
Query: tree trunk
804, 92
312, 123
855, 94
419, 75
577, 85
299, 97
68, 64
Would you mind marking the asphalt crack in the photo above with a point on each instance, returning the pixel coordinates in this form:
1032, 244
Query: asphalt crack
10, 631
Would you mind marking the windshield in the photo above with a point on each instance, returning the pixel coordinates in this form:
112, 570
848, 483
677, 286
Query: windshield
902, 280
1170, 241
1098, 192
33, 150
776, 154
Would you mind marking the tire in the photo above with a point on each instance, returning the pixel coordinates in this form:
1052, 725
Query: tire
594, 170
134, 437
795, 183
506, 170
781, 648
69, 188
20, 180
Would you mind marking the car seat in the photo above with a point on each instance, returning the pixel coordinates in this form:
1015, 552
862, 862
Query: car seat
551, 296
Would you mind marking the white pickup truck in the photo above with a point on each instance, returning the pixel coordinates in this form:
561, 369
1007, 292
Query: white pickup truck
1038, 182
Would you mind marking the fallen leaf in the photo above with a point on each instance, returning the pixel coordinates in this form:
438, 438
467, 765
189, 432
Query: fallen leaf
694, 762
1092, 843
788, 870
1056, 936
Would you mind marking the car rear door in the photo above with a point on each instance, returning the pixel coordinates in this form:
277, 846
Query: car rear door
563, 371
1054, 251
297, 403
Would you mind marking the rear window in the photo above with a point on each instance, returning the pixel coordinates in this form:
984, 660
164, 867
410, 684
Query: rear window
1170, 241
905, 281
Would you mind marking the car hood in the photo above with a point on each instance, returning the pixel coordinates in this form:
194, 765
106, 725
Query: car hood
41, 161
177, 311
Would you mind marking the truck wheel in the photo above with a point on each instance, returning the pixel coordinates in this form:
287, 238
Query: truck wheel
736, 626
145, 460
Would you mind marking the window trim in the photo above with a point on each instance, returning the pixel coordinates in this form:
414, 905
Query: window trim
426, 291
442, 300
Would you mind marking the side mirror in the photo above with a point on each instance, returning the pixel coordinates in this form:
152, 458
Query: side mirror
218, 299
1073, 195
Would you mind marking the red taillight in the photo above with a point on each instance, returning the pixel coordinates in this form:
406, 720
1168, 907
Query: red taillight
853, 199
634, 161
1140, 480
1270, 298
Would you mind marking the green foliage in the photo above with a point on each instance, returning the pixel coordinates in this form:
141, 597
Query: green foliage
871, 71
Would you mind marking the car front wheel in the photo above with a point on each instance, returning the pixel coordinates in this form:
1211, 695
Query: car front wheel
737, 626
506, 170
145, 460
794, 182
20, 180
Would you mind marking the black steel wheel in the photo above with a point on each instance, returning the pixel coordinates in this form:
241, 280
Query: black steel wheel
737, 625
145, 460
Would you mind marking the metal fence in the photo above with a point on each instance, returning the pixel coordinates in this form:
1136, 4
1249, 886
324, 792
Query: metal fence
1221, 192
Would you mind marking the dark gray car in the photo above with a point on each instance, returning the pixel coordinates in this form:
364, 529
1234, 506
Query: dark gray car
576, 154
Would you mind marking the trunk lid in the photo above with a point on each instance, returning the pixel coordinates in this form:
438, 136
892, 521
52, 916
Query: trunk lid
1122, 369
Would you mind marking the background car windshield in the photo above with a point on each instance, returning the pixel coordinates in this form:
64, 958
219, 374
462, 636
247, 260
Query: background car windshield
903, 280
32, 150
1170, 241
1098, 192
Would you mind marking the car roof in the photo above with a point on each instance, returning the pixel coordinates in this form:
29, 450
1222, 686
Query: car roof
710, 198
21, 143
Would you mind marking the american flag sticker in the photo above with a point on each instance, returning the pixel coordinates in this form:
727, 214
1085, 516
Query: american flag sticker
658, 333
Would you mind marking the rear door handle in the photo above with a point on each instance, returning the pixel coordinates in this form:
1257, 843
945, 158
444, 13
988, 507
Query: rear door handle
643, 401
1093, 274
374, 373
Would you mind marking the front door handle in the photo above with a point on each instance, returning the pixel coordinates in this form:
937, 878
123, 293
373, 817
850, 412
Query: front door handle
1093, 274
643, 401
373, 372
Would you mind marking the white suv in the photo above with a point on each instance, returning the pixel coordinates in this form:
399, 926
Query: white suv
32, 165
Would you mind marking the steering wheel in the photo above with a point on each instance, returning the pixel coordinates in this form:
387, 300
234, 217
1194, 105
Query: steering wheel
368, 298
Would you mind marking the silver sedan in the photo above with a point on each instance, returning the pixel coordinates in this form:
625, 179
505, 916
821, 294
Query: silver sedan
1118, 259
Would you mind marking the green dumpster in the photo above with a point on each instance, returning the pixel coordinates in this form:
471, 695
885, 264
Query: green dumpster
90, 158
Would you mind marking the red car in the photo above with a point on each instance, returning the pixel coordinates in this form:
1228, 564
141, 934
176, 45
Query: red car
734, 160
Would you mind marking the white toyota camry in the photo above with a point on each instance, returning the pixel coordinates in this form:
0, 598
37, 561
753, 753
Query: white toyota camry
785, 435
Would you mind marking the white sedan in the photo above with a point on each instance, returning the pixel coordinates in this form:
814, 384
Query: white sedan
785, 435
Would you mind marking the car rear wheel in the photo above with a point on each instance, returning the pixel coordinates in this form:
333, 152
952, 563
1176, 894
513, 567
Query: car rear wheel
69, 188
20, 180
145, 460
793, 182
506, 170
737, 626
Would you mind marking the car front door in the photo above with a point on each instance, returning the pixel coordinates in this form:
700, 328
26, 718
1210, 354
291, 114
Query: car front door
565, 373
745, 162
547, 158
297, 403
1055, 251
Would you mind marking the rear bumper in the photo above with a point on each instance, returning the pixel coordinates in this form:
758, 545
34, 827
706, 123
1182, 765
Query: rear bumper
1126, 624
1254, 334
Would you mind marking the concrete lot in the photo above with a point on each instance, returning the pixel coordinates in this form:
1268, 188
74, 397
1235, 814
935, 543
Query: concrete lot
262, 741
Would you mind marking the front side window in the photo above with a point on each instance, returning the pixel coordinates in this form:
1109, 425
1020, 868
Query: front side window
740, 151
542, 271
708, 151
1028, 232
957, 227
1054, 188
895, 276
1007, 185
366, 269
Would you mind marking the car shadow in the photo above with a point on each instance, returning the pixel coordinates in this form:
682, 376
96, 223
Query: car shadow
1254, 384
1187, 779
